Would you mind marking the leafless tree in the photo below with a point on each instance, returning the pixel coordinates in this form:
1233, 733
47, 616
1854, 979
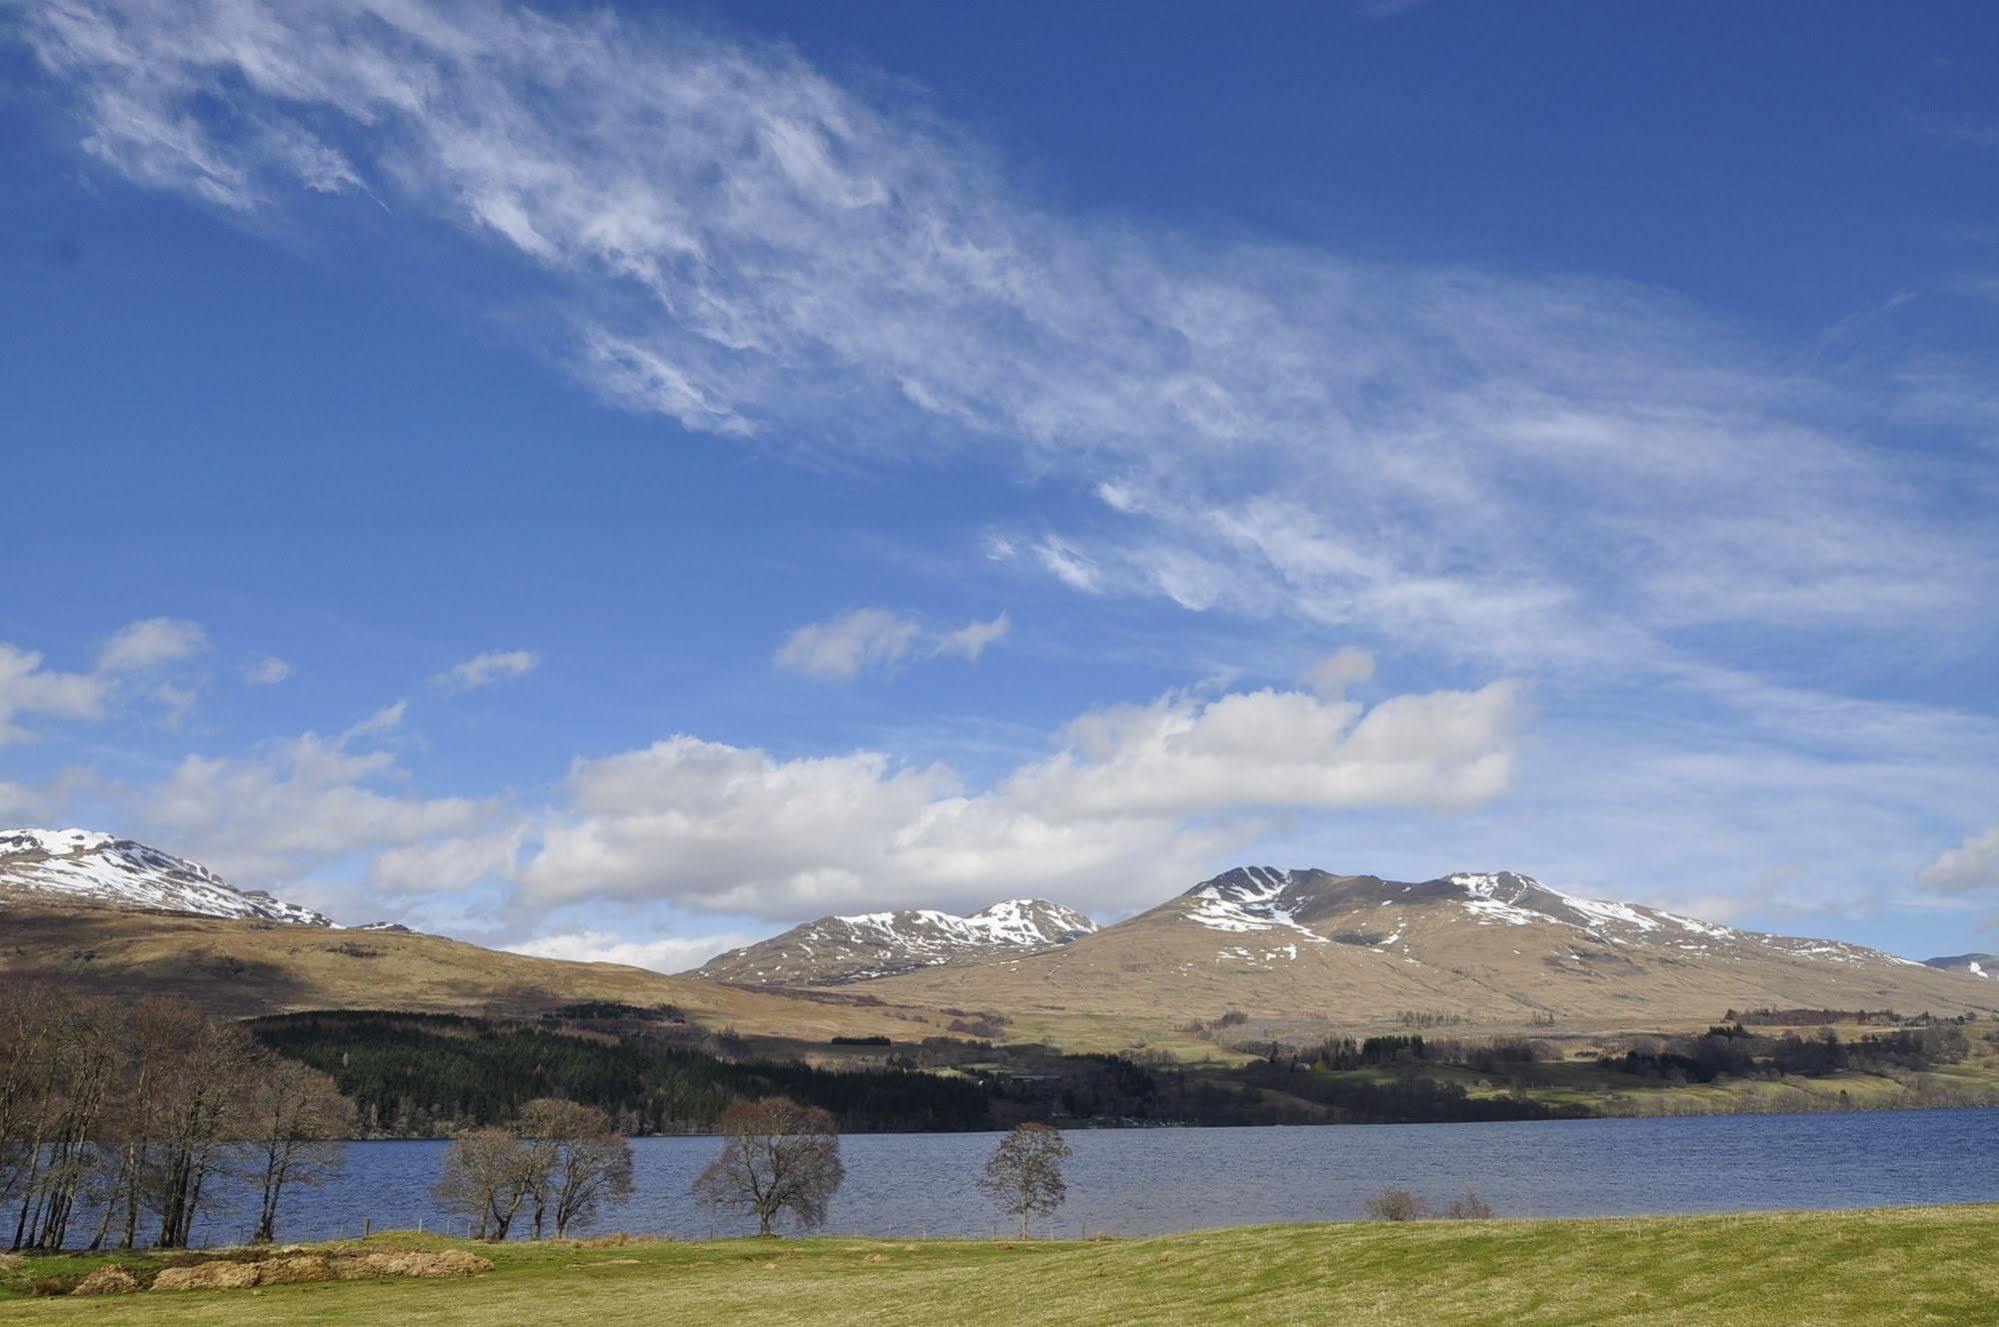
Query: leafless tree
26, 1034
157, 1031
1024, 1175
83, 1058
297, 1121
488, 1175
579, 1160
777, 1157
1471, 1207
1396, 1205
201, 1087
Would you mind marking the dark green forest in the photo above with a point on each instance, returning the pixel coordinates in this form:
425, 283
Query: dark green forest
430, 1074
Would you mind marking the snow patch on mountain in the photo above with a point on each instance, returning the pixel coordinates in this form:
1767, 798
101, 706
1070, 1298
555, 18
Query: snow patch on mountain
1250, 898
859, 946
93, 867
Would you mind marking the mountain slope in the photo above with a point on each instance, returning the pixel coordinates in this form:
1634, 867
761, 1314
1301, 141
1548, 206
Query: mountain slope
833, 951
240, 968
1974, 965
1496, 949
84, 866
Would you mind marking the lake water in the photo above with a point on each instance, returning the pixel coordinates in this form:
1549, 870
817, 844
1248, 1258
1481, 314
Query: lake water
1156, 1181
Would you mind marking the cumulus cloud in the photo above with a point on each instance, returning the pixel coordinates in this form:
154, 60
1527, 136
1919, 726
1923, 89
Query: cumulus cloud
296, 805
1972, 865
1138, 800
665, 954
1186, 756
483, 670
843, 646
448, 864
267, 671
27, 688
149, 644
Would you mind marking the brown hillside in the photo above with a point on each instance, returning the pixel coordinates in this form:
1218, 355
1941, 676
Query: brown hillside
239, 968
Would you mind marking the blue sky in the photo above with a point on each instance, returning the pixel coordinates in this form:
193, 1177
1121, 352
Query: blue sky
613, 484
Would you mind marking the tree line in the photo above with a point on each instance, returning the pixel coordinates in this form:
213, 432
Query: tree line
133, 1113
557, 1164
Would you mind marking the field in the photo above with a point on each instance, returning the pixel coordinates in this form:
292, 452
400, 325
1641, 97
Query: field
1930, 1266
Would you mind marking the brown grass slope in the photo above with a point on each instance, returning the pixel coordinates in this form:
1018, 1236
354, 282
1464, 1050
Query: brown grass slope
239, 968
1359, 951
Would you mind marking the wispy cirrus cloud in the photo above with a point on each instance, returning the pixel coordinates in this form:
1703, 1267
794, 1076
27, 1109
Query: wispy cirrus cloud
1504, 466
483, 670
843, 647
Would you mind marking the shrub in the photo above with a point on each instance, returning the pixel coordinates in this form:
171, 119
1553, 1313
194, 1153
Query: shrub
1471, 1207
1395, 1205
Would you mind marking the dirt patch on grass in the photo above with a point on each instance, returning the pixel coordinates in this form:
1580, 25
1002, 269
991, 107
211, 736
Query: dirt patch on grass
109, 1280
228, 1274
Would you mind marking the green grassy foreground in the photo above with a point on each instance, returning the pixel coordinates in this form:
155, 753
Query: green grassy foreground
1925, 1266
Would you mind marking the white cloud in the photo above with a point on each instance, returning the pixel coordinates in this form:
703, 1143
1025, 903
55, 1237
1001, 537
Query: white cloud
267, 671
1539, 470
1972, 865
1139, 801
1067, 564
27, 688
1332, 675
1185, 757
291, 807
843, 646
176, 703
970, 641
665, 954
149, 644
485, 669
448, 864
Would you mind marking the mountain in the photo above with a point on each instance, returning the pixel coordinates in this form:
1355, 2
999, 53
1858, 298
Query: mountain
833, 951
84, 866
1313, 948
1975, 965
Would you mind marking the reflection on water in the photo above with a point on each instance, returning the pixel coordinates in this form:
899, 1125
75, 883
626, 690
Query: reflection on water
1154, 1181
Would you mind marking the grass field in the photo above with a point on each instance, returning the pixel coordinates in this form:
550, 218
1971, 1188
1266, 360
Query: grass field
1929, 1266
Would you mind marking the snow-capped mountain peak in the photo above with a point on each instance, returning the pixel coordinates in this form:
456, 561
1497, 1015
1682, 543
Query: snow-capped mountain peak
859, 946
86, 866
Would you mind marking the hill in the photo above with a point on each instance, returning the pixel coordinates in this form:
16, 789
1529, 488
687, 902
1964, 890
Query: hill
833, 951
241, 968
1499, 949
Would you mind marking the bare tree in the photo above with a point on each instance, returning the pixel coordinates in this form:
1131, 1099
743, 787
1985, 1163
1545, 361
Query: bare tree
297, 1121
83, 1063
488, 1175
202, 1083
1024, 1175
1396, 1205
579, 1161
157, 1031
777, 1157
